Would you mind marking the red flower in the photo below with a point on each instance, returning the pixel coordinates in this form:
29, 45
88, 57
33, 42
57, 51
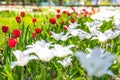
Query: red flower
38, 30
52, 20
86, 13
12, 42
84, 9
63, 21
34, 20
18, 19
68, 14
65, 27
58, 15
72, 20
22, 14
50, 33
73, 9
58, 10
4, 29
34, 35
16, 33
64, 12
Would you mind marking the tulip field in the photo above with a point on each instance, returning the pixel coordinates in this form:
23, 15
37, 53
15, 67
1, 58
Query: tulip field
60, 43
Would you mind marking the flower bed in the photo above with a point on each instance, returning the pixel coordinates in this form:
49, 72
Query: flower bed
60, 43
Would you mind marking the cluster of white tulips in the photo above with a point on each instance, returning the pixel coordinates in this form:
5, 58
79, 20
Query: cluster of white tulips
43, 51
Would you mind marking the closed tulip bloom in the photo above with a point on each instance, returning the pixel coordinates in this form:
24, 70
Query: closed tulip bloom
72, 20
4, 29
65, 27
34, 20
18, 19
16, 33
22, 14
52, 20
58, 10
12, 42
58, 16
34, 35
38, 30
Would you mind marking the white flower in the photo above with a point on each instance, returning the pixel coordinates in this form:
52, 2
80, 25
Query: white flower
74, 32
73, 25
60, 51
41, 49
60, 36
108, 34
97, 62
83, 35
23, 58
65, 62
112, 34
100, 36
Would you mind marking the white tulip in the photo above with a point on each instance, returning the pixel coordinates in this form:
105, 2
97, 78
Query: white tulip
97, 62
22, 57
65, 62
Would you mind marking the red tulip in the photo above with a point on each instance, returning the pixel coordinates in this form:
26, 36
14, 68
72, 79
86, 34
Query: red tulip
34, 35
58, 10
84, 9
86, 13
16, 33
63, 21
64, 12
12, 42
65, 27
4, 29
52, 20
50, 33
38, 30
68, 14
18, 19
72, 20
22, 14
58, 15
34, 20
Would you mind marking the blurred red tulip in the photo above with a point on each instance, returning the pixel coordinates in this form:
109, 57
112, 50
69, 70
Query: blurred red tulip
65, 27
52, 20
22, 14
38, 30
63, 21
72, 20
86, 13
50, 33
4, 29
83, 9
34, 35
64, 12
34, 20
16, 33
12, 42
18, 19
58, 15
58, 10
68, 14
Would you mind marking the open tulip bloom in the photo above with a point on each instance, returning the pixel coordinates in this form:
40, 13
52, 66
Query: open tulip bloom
65, 62
60, 36
108, 34
23, 57
41, 49
45, 53
60, 51
97, 62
